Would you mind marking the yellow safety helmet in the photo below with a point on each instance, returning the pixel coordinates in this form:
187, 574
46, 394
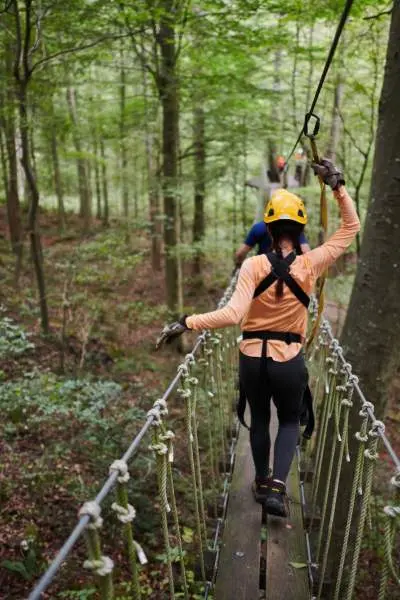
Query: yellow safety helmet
284, 205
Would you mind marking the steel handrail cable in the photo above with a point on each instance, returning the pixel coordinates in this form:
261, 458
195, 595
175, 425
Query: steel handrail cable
108, 485
328, 62
381, 432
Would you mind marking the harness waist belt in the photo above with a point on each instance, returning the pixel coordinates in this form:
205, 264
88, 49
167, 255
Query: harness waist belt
283, 336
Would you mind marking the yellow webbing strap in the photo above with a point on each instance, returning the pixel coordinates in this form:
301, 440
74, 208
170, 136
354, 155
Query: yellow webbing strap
322, 237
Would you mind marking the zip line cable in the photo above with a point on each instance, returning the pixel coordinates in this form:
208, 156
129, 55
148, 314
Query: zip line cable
328, 62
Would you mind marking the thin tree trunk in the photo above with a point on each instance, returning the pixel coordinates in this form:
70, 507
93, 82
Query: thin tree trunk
305, 180
199, 186
34, 235
372, 328
152, 183
57, 178
243, 204
122, 133
83, 180
335, 122
273, 172
3, 158
13, 201
104, 182
170, 134
97, 175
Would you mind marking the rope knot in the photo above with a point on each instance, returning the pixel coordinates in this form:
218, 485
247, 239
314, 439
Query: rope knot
122, 468
183, 369
184, 393
346, 402
361, 438
159, 448
161, 404
377, 429
92, 509
124, 514
366, 408
155, 414
190, 359
370, 455
193, 380
168, 436
392, 511
102, 567
395, 480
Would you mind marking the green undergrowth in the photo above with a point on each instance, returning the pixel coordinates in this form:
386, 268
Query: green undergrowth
14, 340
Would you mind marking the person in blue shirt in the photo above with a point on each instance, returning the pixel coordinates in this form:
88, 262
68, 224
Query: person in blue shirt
259, 236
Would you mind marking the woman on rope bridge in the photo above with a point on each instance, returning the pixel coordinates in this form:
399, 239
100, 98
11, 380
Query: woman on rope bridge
270, 301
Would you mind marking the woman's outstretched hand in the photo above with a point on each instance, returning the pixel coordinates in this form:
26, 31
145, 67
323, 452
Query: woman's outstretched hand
170, 332
328, 172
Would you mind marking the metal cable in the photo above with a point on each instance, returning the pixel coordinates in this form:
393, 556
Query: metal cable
328, 62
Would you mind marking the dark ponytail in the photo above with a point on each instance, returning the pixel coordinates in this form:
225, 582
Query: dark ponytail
284, 229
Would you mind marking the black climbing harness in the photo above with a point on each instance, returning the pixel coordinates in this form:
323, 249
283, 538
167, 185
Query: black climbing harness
280, 269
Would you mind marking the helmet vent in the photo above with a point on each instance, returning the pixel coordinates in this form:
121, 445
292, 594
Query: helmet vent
271, 212
300, 213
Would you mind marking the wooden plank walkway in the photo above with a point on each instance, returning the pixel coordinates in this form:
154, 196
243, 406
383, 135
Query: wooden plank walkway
238, 576
239, 563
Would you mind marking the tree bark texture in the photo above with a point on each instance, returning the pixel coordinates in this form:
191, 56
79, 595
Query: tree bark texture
168, 87
122, 132
13, 201
57, 177
83, 179
372, 328
34, 235
104, 182
152, 178
199, 186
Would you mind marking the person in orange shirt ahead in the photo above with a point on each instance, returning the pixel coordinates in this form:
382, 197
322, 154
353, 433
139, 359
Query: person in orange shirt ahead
270, 302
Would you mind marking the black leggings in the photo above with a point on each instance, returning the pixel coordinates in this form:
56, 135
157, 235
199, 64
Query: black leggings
285, 382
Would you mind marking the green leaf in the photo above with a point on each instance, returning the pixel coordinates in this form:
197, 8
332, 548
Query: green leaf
297, 565
16, 567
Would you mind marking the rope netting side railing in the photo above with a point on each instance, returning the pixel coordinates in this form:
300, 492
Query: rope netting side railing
204, 387
344, 528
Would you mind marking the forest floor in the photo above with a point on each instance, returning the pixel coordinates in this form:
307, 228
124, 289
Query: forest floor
71, 403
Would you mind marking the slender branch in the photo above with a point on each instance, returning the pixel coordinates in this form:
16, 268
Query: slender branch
18, 40
78, 49
380, 14
350, 135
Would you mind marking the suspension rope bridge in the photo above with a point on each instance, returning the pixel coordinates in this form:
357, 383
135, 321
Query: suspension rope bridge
237, 552
205, 385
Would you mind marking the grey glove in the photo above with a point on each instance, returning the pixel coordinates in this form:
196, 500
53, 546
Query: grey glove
170, 332
328, 173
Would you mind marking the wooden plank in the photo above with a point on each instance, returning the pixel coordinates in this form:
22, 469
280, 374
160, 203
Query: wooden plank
285, 545
239, 563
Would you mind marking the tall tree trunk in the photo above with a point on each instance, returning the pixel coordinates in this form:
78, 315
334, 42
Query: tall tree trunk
273, 172
57, 177
170, 105
97, 175
3, 159
305, 179
370, 336
104, 182
83, 180
13, 201
34, 235
199, 185
152, 178
122, 133
336, 121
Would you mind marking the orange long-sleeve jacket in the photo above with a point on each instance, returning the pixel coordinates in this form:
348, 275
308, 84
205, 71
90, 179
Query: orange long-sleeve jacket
286, 313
